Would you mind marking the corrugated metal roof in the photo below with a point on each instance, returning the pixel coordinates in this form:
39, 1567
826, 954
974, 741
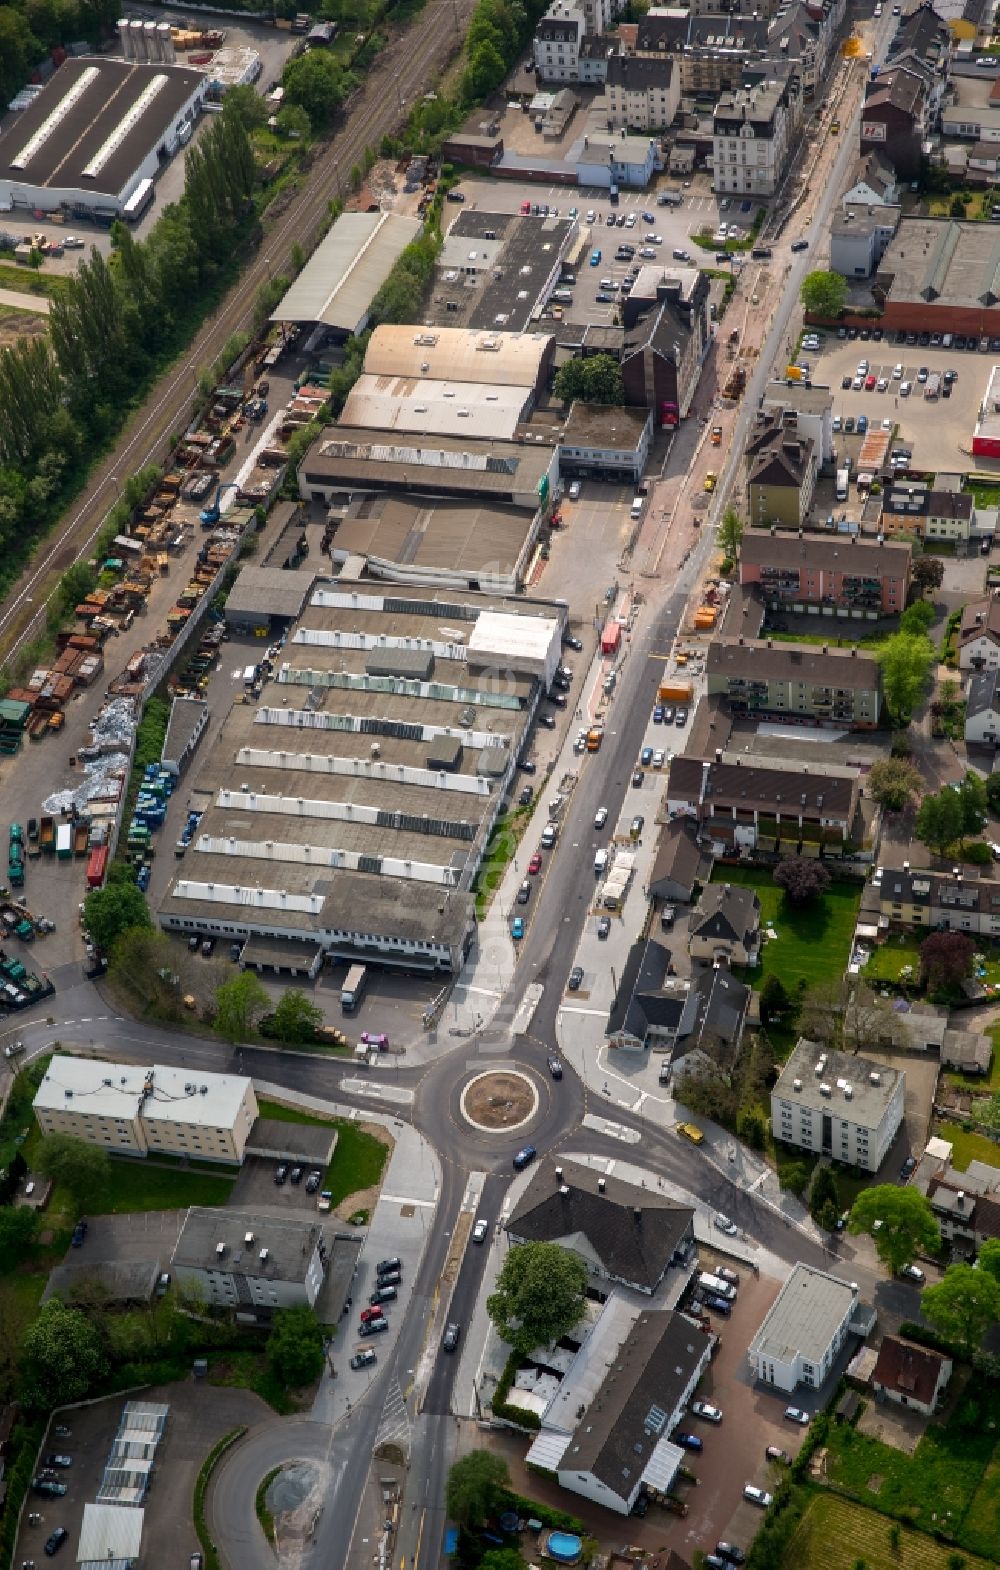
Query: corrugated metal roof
342, 277
110, 1532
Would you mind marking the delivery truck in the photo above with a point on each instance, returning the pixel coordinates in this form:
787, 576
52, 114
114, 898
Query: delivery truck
353, 989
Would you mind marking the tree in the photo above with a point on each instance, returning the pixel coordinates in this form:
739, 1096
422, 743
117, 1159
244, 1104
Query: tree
82, 1168
893, 783
597, 379
247, 105
946, 960
900, 1222
502, 1559
963, 1305
774, 999
295, 1346
239, 1003
296, 1018
824, 293
110, 911
751, 1127
905, 659
993, 794
63, 1357
293, 122
917, 618
484, 73
803, 878
730, 532
974, 800
18, 1225
939, 820
926, 573
539, 1295
316, 83
478, 1483
824, 1197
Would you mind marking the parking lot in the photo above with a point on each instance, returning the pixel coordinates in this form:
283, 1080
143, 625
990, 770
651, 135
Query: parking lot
939, 431
199, 1415
256, 1190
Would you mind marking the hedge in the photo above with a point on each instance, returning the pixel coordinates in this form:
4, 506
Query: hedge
20, 1469
209, 1464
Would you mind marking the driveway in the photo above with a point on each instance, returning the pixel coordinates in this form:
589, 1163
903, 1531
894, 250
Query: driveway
139, 1235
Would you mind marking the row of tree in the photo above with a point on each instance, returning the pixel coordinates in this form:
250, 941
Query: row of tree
110, 326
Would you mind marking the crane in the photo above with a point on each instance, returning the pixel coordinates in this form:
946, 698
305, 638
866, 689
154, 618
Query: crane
211, 513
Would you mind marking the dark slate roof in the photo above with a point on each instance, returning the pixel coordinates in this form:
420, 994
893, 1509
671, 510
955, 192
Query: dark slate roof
635, 1248
727, 912
638, 73
751, 784
722, 1004
908, 1369
983, 696
678, 855
653, 1368
980, 617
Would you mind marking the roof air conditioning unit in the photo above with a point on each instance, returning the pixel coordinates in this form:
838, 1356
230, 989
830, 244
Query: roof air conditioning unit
825, 1090
248, 1239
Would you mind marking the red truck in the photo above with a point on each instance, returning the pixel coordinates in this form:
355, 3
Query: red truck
97, 866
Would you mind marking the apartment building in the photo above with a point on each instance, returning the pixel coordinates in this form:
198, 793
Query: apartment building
841, 687
252, 1265
667, 334
860, 236
751, 137
571, 42
641, 94
894, 120
979, 635
138, 1111
782, 466
774, 806
845, 577
803, 1331
917, 898
806, 410
838, 1105
926, 513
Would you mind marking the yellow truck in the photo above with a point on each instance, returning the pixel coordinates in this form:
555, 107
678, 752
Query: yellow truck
594, 738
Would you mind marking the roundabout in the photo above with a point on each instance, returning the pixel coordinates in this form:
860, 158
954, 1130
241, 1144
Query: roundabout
499, 1101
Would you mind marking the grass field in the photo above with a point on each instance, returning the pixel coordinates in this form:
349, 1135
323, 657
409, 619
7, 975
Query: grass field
814, 941
135, 1185
969, 1147
888, 959
951, 1483
359, 1159
835, 1534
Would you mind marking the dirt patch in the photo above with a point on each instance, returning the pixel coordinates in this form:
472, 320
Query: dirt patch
500, 1100
364, 1199
20, 324
874, 1484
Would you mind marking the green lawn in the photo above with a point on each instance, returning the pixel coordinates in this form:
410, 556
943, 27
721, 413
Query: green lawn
814, 941
359, 1159
969, 1146
936, 1487
891, 957
837, 1534
135, 1185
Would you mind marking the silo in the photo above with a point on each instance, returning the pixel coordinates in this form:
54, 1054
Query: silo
137, 30
167, 52
125, 36
152, 42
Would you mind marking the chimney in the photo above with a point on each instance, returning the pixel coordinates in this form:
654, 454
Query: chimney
960, 1198
559, 1174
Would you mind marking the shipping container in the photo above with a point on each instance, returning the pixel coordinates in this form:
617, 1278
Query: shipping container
97, 866
64, 841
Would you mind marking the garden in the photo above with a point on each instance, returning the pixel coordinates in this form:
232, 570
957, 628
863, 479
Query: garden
837, 1534
812, 942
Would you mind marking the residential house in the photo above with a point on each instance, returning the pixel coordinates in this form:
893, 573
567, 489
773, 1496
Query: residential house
679, 864
982, 708
252, 1264
968, 21
667, 334
608, 158
841, 687
642, 94
694, 1021
875, 183
837, 1104
923, 42
610, 442
860, 578
610, 1440
725, 926
709, 51
911, 897
813, 411
782, 465
557, 41
910, 1375
967, 1052
804, 1330
893, 120
751, 139
926, 513
860, 235
136, 1111
624, 1235
979, 635
966, 1208
772, 806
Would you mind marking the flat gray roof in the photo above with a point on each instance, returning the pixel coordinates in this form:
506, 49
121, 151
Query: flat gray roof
606, 426
270, 591
289, 1241
840, 1071
346, 271
472, 536
804, 1317
309, 1143
94, 110
942, 260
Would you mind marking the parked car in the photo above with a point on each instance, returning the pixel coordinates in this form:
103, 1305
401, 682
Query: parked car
604, 927
79, 1233
295, 1176
913, 1273
726, 1274
57, 1459
757, 1496
575, 978
368, 1315
795, 1414
480, 1230
600, 817
775, 1453
365, 1358
313, 1181
383, 1294
517, 928
687, 1441
705, 1409
719, 1305
388, 1267
723, 1224
535, 864
732, 1552
48, 1488
55, 1539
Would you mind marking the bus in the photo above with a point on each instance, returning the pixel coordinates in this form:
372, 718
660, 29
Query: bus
139, 202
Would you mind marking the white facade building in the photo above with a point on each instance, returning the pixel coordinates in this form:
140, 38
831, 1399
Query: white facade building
643, 93
137, 1111
803, 1331
751, 132
838, 1105
251, 1265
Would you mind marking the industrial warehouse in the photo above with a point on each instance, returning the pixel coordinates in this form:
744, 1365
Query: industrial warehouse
324, 803
336, 287
92, 141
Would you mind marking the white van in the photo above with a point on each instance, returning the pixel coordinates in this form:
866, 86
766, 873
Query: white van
636, 510
716, 1286
600, 863
574, 491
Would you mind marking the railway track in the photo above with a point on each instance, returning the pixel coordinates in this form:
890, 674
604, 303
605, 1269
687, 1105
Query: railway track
406, 67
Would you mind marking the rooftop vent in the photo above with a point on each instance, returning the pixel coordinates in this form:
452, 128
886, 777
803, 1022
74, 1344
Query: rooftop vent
825, 1090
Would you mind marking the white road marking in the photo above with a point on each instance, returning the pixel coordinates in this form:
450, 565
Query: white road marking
404, 1199
571, 1008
